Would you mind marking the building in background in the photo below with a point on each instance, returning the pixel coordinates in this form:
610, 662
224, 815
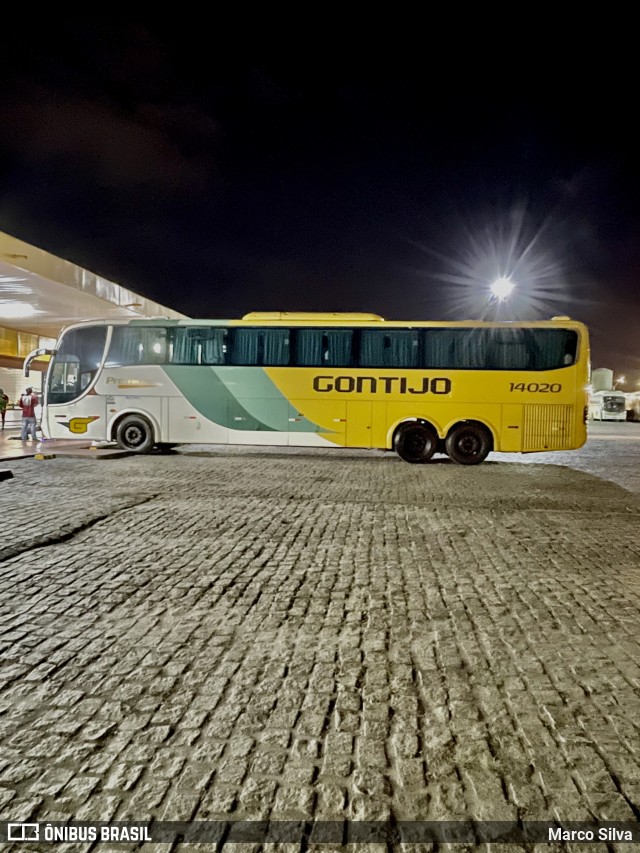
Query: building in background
39, 295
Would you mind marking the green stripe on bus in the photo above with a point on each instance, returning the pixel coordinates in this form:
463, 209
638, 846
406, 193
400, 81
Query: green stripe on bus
263, 406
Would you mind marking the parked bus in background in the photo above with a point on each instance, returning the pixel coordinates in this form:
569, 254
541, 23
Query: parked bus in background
605, 402
608, 406
322, 380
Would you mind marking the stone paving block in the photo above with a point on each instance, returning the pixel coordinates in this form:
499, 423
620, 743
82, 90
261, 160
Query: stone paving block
24, 809
292, 802
147, 796
101, 807
6, 795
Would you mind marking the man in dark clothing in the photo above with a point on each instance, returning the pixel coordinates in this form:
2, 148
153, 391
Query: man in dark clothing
4, 402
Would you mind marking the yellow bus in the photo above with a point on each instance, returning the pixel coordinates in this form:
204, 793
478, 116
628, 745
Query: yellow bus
322, 380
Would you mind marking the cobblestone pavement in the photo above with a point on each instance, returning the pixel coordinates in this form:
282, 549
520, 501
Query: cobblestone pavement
317, 634
612, 452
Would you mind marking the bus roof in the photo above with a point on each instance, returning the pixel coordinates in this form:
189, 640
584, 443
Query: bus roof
311, 316
308, 318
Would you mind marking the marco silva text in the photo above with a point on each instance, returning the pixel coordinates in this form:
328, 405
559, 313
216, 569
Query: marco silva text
603, 833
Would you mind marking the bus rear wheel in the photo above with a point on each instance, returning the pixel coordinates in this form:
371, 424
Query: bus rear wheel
135, 434
468, 444
415, 442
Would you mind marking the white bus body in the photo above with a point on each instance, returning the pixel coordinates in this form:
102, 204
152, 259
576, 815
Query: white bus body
607, 406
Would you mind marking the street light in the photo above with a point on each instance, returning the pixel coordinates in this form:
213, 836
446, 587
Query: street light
620, 380
502, 288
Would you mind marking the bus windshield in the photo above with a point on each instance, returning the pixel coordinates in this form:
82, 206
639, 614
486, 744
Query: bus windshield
75, 363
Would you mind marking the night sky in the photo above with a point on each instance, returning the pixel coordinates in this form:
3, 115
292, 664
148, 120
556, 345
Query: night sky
219, 176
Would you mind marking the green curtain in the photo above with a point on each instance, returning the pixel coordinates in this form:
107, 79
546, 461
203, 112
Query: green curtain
398, 348
323, 347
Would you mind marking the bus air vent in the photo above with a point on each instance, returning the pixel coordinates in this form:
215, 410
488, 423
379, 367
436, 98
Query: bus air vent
547, 427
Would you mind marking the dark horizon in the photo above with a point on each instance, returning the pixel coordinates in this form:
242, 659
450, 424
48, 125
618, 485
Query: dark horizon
218, 188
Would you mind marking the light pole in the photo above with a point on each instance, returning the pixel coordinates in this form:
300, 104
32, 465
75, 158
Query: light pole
619, 381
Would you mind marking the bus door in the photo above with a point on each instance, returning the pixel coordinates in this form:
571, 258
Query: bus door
359, 424
71, 411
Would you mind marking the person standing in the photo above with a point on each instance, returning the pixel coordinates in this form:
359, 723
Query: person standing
28, 403
4, 402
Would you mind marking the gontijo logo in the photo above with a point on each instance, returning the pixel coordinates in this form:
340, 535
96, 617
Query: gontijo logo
78, 426
386, 384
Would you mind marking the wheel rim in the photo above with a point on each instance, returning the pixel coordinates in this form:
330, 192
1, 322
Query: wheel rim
469, 444
133, 436
416, 443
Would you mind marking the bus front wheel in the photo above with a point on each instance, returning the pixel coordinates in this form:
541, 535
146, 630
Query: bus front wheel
415, 442
135, 434
468, 444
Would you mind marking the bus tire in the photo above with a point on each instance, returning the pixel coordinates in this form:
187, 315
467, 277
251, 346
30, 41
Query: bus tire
415, 442
468, 443
135, 433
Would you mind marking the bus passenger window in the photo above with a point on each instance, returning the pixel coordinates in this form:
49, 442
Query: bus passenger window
437, 348
137, 345
275, 343
323, 347
509, 349
269, 347
554, 348
195, 345
389, 348
570, 347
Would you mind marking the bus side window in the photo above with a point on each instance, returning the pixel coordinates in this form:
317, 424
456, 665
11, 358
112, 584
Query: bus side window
183, 345
553, 346
268, 347
570, 347
323, 347
389, 348
137, 345
195, 345
437, 348
275, 346
510, 349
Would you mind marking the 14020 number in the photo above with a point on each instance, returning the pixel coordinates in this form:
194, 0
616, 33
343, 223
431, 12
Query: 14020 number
541, 387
